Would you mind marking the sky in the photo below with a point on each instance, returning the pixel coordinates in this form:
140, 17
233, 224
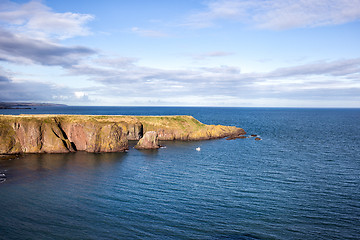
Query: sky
222, 53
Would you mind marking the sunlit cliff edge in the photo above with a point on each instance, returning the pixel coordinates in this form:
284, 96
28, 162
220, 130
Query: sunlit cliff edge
94, 133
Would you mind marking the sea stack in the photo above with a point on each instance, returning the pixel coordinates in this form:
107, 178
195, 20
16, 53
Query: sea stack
148, 141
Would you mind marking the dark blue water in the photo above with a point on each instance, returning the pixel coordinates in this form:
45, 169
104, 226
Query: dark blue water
302, 181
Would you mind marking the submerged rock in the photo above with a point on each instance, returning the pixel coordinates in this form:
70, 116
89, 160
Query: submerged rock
236, 137
148, 141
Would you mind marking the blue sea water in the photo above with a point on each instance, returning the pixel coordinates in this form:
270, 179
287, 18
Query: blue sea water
302, 181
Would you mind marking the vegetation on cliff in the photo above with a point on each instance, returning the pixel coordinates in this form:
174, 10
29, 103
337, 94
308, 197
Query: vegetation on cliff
92, 133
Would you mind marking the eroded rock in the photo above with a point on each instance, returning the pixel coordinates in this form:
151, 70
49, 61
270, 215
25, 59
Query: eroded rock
148, 141
236, 137
135, 131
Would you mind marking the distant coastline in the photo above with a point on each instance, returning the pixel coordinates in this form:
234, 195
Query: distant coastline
26, 105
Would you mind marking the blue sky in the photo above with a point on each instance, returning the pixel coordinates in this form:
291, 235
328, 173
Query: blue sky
241, 53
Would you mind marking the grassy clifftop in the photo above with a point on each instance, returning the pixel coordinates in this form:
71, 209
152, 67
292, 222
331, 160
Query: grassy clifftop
185, 128
93, 133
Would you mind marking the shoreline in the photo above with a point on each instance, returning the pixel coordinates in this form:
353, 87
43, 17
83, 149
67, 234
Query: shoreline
62, 133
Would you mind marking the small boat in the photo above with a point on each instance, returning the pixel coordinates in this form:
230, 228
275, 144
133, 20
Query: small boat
198, 149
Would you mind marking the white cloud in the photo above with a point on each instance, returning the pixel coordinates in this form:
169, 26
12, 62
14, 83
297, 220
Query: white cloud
79, 94
118, 62
278, 14
39, 21
211, 55
30, 34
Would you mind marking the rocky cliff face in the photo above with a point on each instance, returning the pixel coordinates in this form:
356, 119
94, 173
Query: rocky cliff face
68, 133
96, 136
186, 128
148, 141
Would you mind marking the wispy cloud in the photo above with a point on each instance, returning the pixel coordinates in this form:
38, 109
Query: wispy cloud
277, 14
39, 21
116, 62
211, 55
334, 68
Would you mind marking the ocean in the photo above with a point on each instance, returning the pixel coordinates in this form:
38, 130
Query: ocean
301, 181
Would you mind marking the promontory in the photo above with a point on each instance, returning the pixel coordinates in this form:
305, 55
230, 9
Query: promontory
94, 133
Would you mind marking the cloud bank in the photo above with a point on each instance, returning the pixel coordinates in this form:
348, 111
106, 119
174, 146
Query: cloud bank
25, 50
326, 80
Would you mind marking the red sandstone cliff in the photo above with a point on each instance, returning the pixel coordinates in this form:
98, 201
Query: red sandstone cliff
68, 133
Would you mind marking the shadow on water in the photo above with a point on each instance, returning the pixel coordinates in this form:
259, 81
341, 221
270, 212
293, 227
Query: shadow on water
33, 166
149, 152
170, 147
30, 167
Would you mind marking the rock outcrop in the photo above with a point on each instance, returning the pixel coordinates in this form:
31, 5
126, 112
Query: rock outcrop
148, 141
186, 128
91, 133
236, 137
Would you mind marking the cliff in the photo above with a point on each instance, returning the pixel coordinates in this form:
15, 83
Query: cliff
92, 133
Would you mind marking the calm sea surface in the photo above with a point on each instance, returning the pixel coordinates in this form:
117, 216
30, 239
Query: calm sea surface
302, 181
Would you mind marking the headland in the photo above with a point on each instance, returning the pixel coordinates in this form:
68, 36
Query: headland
45, 133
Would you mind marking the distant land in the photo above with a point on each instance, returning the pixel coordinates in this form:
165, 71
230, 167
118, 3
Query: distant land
25, 105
